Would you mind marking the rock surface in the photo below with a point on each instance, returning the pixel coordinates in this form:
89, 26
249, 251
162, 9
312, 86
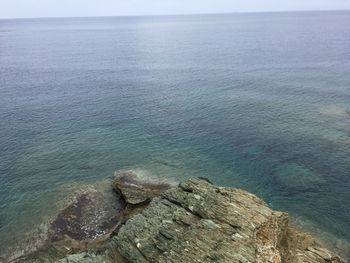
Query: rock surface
93, 215
193, 222
86, 219
200, 222
136, 191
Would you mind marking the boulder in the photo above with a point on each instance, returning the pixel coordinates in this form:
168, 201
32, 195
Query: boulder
136, 191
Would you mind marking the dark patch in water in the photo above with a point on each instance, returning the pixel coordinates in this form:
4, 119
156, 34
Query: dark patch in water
55, 168
166, 163
85, 167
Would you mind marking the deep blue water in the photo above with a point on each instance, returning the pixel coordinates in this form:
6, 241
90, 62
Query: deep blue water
256, 101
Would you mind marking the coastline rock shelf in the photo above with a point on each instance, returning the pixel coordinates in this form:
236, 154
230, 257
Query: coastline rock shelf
195, 221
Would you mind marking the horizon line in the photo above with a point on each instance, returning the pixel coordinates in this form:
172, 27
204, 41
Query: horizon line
179, 14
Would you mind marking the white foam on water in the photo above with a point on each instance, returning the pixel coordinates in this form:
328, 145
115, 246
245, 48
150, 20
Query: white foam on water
149, 176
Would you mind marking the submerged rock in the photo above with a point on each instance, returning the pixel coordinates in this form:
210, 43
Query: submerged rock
93, 215
295, 179
86, 220
89, 219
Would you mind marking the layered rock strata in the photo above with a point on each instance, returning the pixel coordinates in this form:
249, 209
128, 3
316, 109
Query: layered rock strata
193, 222
200, 222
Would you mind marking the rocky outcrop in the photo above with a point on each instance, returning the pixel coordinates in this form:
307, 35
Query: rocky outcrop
193, 222
200, 222
88, 219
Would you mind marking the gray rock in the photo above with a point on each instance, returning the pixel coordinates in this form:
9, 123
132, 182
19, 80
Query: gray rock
194, 222
223, 225
135, 190
91, 258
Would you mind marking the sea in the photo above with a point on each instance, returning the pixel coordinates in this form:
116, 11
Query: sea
258, 101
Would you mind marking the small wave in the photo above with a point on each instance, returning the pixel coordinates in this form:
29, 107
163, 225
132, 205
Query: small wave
166, 163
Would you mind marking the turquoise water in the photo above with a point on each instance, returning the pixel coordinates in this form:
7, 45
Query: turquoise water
256, 101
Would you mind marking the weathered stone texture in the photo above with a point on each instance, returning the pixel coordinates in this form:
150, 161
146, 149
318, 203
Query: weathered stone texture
200, 222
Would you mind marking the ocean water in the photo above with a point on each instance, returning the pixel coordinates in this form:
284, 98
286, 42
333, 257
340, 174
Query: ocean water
256, 101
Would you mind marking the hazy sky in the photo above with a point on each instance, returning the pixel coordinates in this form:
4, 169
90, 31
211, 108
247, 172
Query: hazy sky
50, 8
